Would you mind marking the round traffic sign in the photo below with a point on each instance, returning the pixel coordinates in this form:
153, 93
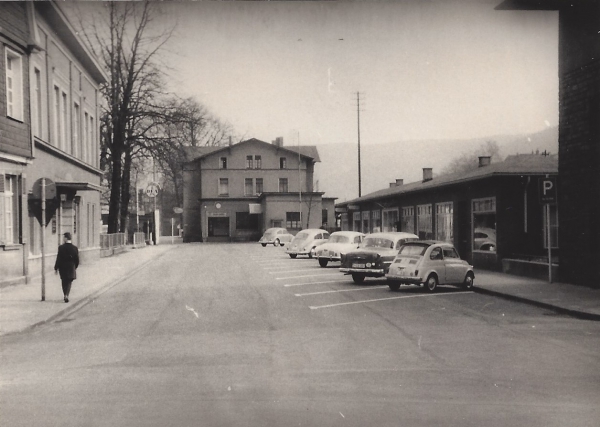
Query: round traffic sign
152, 190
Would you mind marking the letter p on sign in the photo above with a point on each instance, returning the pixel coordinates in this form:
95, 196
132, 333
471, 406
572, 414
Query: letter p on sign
547, 190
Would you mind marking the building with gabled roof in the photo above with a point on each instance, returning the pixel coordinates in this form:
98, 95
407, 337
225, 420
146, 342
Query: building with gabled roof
491, 213
235, 192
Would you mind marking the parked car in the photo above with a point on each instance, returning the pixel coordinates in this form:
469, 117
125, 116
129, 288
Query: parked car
306, 241
338, 244
484, 239
429, 264
276, 237
375, 255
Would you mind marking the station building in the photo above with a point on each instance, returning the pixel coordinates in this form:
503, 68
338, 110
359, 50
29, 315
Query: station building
236, 192
492, 214
49, 128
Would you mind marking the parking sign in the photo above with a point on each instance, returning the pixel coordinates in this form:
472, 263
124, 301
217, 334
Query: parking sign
547, 189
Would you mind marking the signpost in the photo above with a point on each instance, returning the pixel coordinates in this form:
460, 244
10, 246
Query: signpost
44, 203
547, 191
152, 191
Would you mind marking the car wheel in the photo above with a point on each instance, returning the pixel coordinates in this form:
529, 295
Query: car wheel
311, 253
264, 245
432, 283
276, 242
358, 278
323, 262
468, 283
292, 256
394, 286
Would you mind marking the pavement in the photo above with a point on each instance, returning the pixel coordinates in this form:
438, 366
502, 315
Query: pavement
21, 307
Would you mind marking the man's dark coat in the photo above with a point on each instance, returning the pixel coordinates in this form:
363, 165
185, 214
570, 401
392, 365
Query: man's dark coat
67, 261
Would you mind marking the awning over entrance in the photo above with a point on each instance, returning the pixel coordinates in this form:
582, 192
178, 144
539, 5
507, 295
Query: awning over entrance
77, 186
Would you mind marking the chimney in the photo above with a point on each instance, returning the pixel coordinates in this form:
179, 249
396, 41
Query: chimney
484, 161
230, 141
427, 174
278, 141
399, 182
392, 184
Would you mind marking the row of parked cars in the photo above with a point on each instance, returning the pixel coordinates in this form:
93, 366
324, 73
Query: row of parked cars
399, 257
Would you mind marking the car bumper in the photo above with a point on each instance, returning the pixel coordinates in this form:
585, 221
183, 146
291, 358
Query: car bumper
297, 252
409, 280
365, 271
330, 258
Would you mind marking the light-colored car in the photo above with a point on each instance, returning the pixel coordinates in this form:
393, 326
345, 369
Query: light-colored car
375, 255
306, 241
276, 237
338, 244
429, 264
484, 239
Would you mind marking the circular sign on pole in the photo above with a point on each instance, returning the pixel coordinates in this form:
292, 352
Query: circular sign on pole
152, 190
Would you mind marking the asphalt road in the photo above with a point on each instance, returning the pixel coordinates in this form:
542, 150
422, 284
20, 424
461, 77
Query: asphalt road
240, 335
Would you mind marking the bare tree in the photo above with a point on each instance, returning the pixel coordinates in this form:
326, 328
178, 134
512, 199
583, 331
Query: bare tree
128, 49
468, 161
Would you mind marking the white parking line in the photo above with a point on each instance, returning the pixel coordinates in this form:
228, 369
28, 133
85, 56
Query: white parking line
340, 290
267, 267
312, 307
309, 275
296, 271
314, 283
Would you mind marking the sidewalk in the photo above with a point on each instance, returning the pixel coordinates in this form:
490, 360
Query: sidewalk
21, 307
577, 301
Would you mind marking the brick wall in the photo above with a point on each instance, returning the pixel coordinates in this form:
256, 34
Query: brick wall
579, 177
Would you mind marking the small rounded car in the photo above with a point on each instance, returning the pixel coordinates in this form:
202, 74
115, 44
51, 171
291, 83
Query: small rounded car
484, 239
375, 255
338, 244
306, 241
276, 237
429, 264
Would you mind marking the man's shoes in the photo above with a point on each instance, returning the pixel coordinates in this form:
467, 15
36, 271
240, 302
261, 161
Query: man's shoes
66, 299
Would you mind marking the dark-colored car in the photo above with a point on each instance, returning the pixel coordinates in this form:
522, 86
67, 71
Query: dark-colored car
375, 255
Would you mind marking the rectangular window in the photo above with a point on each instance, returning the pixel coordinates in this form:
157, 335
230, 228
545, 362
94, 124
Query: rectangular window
14, 84
65, 124
553, 227
257, 162
390, 220
248, 187
76, 131
344, 221
376, 219
37, 104
259, 186
424, 225
92, 143
366, 223
249, 162
283, 185
223, 187
324, 217
93, 242
408, 220
282, 163
246, 221
89, 221
292, 220
86, 141
484, 224
9, 210
356, 223
223, 163
444, 214
57, 118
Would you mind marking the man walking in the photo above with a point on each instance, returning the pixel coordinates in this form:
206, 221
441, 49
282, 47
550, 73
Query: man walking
66, 264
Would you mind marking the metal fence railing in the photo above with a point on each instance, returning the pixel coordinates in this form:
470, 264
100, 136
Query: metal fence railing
113, 240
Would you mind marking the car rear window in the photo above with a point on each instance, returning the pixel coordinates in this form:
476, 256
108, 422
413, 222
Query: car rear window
412, 249
378, 242
300, 236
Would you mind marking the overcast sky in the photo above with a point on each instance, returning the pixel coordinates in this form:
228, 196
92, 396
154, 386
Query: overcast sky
424, 69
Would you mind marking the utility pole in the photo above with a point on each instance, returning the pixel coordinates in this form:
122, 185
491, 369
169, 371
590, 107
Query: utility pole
358, 119
300, 182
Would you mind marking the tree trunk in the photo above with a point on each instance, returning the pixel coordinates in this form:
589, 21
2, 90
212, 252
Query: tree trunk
115, 194
125, 191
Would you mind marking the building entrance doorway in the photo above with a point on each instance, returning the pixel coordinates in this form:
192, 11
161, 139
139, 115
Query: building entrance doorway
218, 227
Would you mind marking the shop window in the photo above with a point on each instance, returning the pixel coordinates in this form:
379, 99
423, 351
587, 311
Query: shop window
366, 223
444, 213
376, 220
424, 224
408, 220
324, 217
344, 221
246, 221
484, 224
553, 227
356, 219
292, 220
390, 220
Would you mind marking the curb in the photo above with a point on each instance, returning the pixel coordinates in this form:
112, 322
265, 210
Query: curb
73, 308
582, 315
